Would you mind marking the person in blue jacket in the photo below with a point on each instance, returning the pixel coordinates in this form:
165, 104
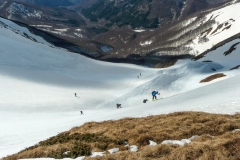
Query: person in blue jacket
154, 94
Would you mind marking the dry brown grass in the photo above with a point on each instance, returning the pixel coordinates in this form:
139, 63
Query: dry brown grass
212, 77
216, 139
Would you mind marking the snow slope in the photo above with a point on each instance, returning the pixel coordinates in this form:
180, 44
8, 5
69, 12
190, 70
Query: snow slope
38, 82
227, 21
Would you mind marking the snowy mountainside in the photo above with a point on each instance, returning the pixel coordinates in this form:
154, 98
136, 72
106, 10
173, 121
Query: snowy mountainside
185, 75
41, 64
58, 21
26, 12
226, 25
69, 68
8, 25
228, 52
42, 67
193, 36
38, 82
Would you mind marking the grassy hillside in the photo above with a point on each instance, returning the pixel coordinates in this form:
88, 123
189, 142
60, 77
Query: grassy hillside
217, 138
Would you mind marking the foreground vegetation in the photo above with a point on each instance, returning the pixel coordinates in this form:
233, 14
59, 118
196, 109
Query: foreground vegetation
218, 138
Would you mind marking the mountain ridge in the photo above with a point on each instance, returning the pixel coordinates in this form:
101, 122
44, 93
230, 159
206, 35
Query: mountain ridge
123, 44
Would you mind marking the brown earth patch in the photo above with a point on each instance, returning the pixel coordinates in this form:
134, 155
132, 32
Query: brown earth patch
212, 77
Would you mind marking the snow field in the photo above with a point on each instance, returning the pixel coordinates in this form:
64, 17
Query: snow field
38, 82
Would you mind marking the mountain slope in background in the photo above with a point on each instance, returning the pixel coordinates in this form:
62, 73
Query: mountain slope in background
140, 13
51, 3
190, 37
153, 33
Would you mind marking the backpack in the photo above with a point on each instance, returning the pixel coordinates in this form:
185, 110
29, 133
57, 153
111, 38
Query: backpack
154, 93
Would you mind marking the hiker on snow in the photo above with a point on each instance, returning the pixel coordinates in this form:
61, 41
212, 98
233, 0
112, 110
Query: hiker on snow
118, 106
154, 94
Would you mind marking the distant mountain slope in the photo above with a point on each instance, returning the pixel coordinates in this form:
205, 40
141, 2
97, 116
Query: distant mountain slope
154, 33
192, 36
140, 13
51, 3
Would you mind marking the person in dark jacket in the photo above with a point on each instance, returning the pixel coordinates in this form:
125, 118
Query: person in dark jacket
145, 100
118, 105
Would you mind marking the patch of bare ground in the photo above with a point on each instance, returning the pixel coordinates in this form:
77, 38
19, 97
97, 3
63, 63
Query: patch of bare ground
235, 67
218, 28
217, 138
231, 49
206, 32
207, 61
226, 27
212, 77
166, 64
